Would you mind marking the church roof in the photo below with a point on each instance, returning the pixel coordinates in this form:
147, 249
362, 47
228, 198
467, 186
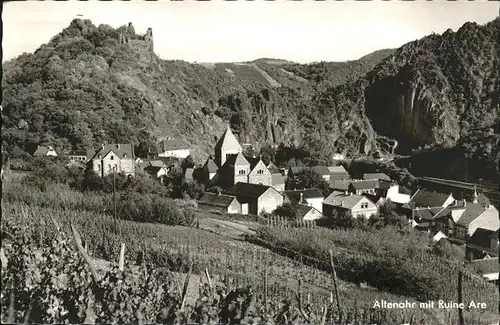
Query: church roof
228, 141
236, 160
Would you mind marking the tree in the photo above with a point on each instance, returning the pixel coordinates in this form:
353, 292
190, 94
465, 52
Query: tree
287, 210
387, 216
188, 162
268, 154
345, 220
308, 178
194, 190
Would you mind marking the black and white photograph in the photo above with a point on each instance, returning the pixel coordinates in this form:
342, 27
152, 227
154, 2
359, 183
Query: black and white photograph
250, 162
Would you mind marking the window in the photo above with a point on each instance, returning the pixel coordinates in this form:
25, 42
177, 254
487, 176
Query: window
242, 172
260, 171
124, 155
260, 183
109, 167
98, 166
111, 157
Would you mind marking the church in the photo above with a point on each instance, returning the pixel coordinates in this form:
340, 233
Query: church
230, 166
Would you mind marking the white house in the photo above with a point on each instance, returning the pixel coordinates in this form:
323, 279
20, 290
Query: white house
356, 205
310, 197
173, 148
45, 151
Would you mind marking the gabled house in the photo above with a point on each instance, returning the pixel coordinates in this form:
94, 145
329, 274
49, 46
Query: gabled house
277, 179
209, 170
226, 146
461, 220
390, 190
109, 157
256, 198
173, 148
362, 187
424, 199
338, 173
80, 156
219, 202
483, 243
341, 202
376, 176
309, 197
307, 212
260, 174
45, 151
156, 171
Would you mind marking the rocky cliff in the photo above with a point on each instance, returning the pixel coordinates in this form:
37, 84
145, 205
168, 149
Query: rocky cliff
437, 89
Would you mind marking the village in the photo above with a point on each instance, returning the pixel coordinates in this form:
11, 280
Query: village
239, 182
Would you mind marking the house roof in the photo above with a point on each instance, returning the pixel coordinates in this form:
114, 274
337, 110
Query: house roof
172, 144
482, 237
211, 165
423, 198
385, 184
364, 185
426, 214
169, 161
42, 151
346, 201
214, 199
322, 170
311, 193
470, 212
273, 169
340, 184
236, 160
337, 170
486, 265
153, 169
303, 210
122, 150
277, 179
189, 173
382, 176
248, 190
157, 163
374, 197
228, 141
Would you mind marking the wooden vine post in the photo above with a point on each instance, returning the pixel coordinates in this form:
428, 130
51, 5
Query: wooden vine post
334, 277
460, 310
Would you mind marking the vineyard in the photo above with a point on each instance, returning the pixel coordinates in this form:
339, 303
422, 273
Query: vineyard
234, 281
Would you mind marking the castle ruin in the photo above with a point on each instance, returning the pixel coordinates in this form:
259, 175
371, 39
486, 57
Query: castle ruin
142, 45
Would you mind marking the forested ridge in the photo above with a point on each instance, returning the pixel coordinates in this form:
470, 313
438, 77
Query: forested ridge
83, 88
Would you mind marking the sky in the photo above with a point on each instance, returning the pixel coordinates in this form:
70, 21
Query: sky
222, 31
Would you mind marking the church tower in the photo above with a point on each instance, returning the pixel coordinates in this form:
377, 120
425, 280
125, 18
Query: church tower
227, 145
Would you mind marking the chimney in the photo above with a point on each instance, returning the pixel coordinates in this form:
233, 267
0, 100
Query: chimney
102, 145
117, 146
346, 193
465, 203
341, 203
301, 197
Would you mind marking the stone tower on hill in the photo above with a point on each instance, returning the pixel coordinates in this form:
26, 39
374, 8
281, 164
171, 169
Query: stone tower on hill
143, 45
227, 145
